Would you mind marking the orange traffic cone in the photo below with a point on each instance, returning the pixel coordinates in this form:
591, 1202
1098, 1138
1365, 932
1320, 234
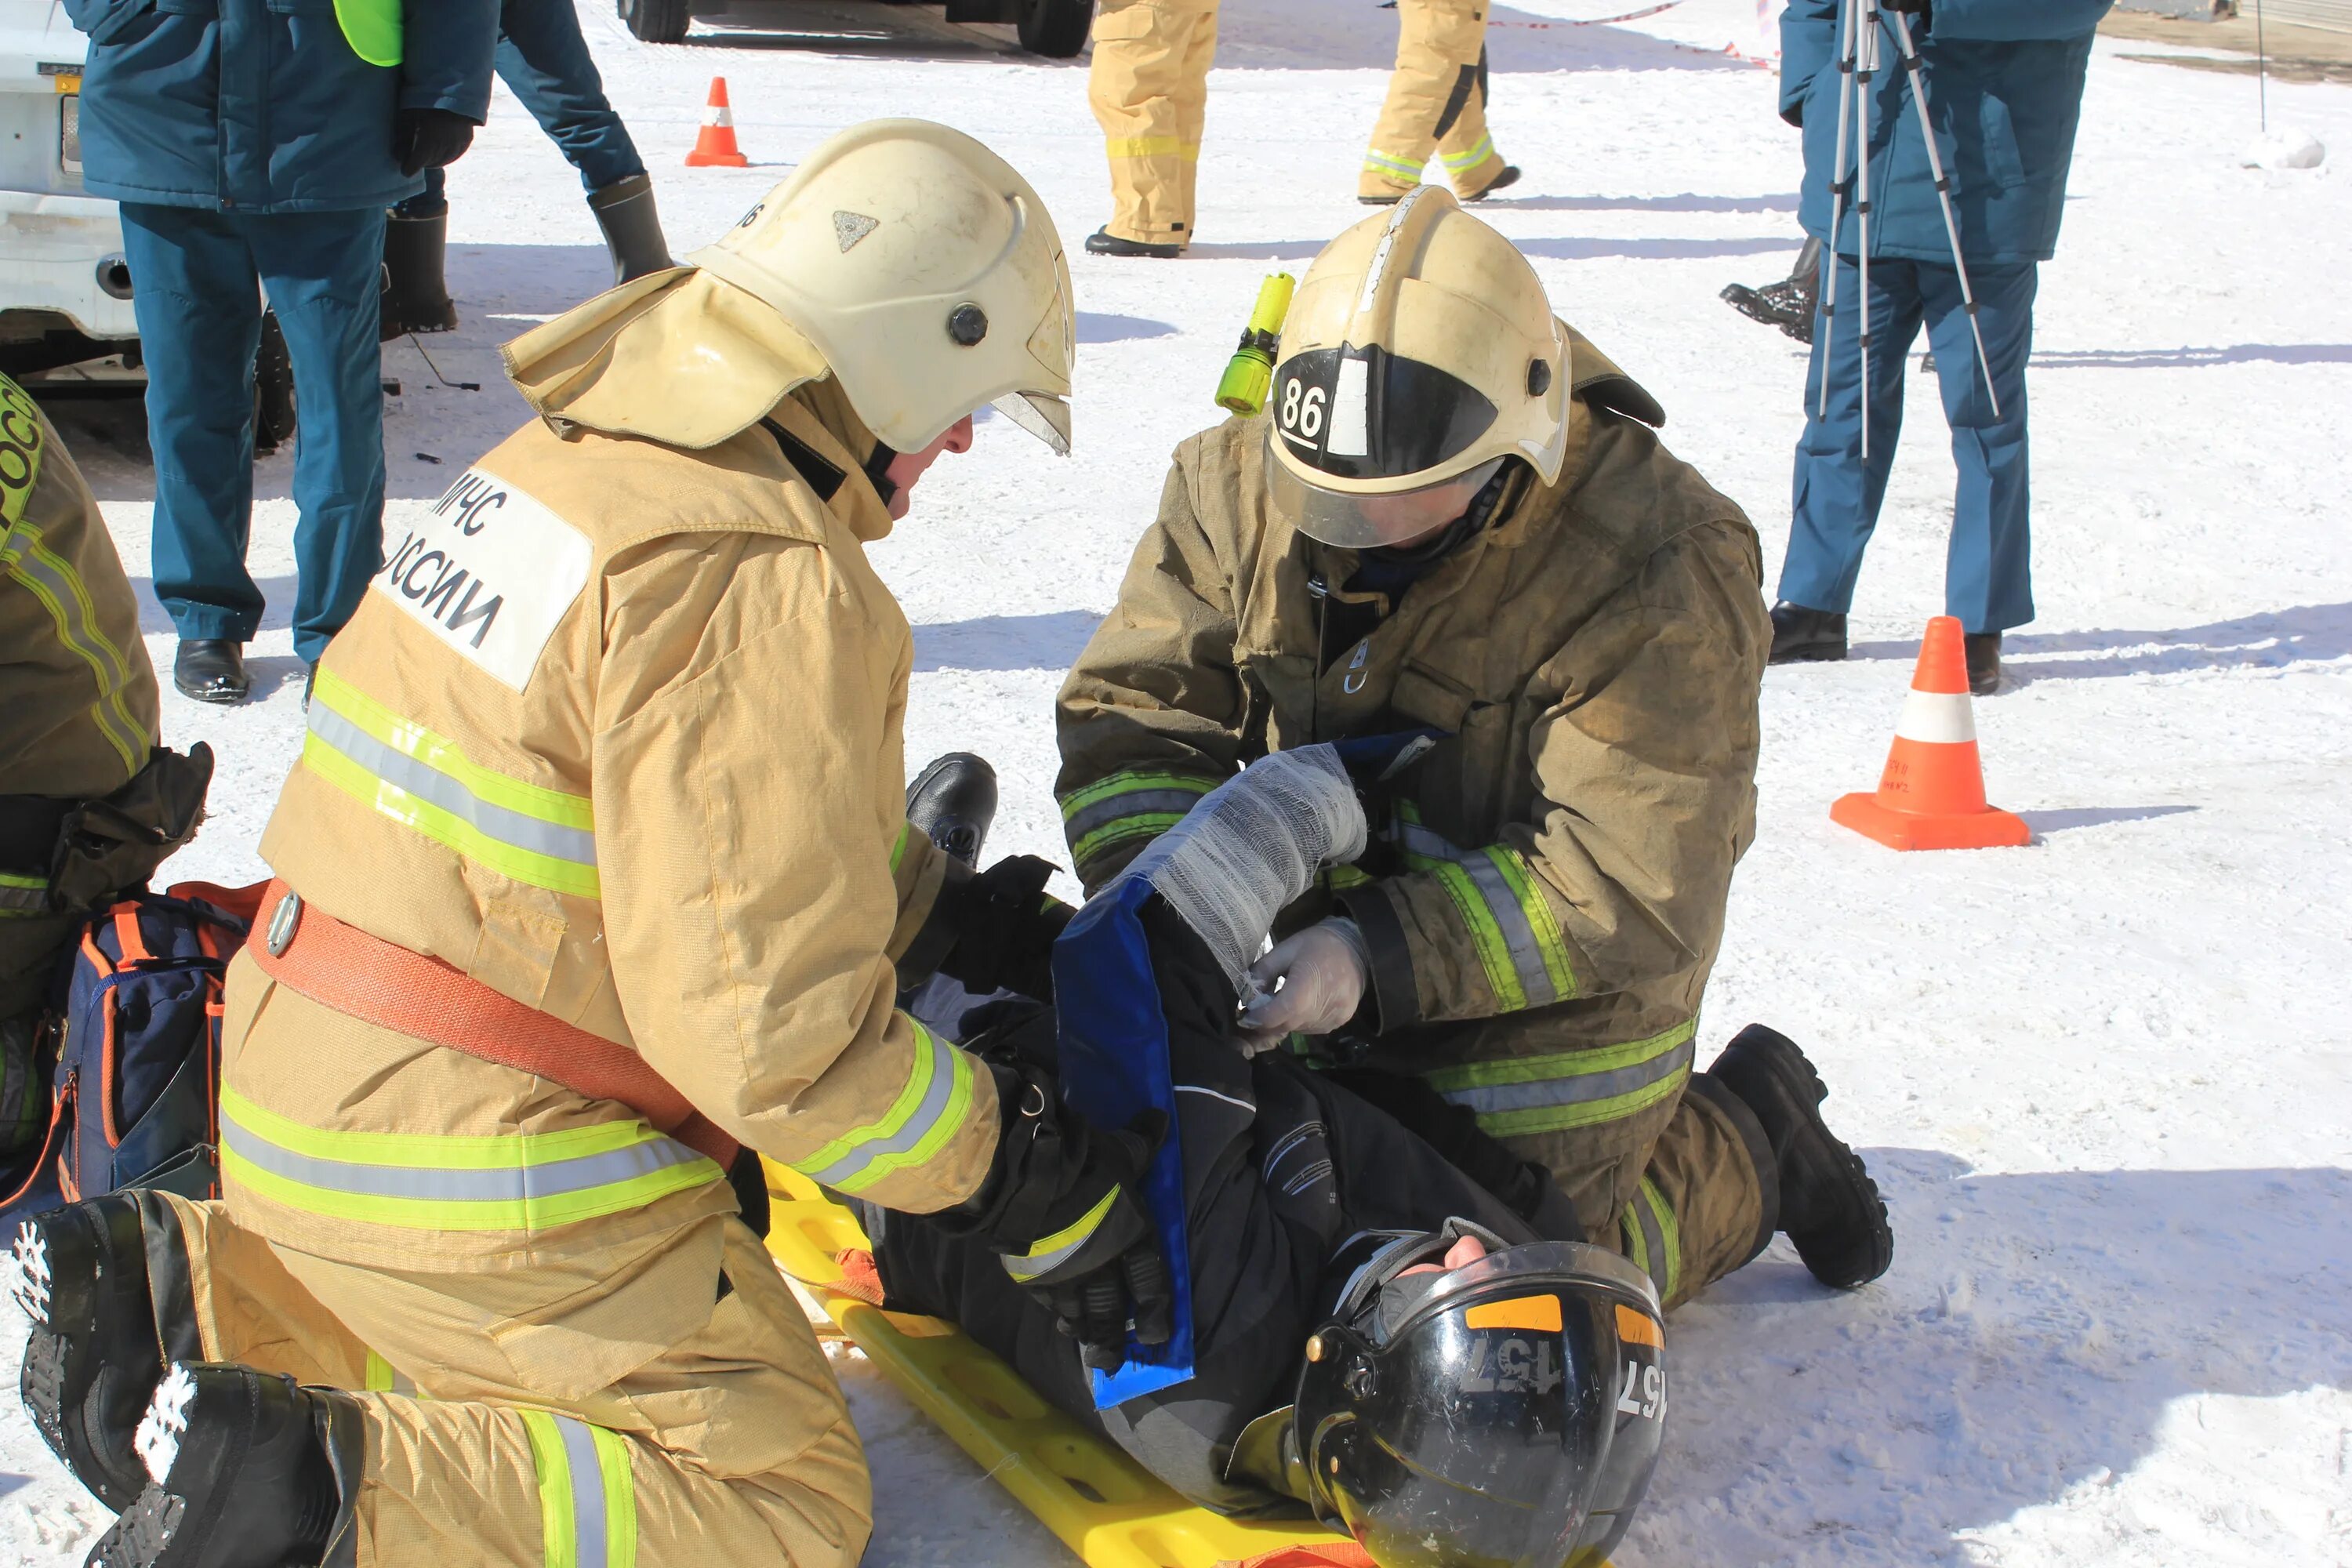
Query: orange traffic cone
716, 144
1932, 795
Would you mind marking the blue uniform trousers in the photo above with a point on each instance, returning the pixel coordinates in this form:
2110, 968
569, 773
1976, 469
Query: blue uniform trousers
198, 275
1988, 580
544, 61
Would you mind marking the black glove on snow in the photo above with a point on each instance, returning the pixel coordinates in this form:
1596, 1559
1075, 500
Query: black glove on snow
425, 138
1004, 925
1061, 1207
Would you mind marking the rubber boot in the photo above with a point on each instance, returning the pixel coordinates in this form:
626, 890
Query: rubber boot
1800, 636
953, 802
1789, 304
1102, 242
245, 1470
1828, 1206
86, 1275
632, 231
416, 296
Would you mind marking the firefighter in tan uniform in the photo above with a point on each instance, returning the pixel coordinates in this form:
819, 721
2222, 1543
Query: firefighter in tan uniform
1436, 103
1149, 87
89, 803
1453, 516
604, 777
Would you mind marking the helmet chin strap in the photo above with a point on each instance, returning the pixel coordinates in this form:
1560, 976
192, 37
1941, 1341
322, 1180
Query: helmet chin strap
877, 471
1460, 531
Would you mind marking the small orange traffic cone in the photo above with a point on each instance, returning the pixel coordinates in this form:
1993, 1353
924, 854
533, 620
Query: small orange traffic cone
1932, 795
716, 144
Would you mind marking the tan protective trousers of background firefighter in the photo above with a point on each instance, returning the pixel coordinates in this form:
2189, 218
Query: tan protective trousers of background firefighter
729, 1445
1149, 88
1436, 102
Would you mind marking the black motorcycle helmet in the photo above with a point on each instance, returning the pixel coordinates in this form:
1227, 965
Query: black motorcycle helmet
1508, 1412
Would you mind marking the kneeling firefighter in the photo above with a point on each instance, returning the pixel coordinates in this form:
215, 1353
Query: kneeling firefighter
1454, 516
90, 805
593, 875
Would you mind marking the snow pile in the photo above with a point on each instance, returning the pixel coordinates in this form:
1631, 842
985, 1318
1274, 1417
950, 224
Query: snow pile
2104, 1081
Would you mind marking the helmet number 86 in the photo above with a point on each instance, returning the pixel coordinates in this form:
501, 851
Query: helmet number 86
1302, 408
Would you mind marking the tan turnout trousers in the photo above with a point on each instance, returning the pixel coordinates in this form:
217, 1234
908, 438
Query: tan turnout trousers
502, 1439
1149, 88
1436, 102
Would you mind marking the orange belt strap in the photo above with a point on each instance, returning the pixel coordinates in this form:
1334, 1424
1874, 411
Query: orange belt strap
306, 950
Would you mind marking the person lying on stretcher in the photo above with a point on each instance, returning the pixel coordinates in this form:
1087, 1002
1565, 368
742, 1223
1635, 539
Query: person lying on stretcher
1397, 1329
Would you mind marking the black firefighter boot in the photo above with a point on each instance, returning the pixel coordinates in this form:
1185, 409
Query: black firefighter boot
1828, 1205
1800, 636
415, 293
96, 1279
953, 802
1789, 304
633, 231
246, 1470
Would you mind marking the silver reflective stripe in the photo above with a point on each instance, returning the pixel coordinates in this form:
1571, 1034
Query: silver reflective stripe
1133, 803
1511, 917
508, 1183
1420, 840
1575, 1088
64, 591
1654, 1242
24, 895
936, 1095
588, 1536
434, 787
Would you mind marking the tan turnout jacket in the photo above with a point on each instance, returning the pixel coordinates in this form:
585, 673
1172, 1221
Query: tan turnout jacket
616, 731
1545, 897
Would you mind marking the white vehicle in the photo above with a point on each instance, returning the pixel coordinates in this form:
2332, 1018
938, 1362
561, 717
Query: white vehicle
65, 291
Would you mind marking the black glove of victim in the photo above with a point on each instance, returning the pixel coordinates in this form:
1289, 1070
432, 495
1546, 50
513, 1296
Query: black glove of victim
425, 138
1004, 924
1061, 1207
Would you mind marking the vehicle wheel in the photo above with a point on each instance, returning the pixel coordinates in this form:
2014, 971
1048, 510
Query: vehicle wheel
273, 388
1054, 29
655, 21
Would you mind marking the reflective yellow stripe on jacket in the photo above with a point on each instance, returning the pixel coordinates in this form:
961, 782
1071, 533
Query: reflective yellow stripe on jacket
21, 898
929, 1110
423, 780
507, 1181
1549, 1093
1136, 802
1511, 926
587, 1503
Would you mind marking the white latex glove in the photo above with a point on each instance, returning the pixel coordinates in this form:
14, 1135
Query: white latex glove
1309, 983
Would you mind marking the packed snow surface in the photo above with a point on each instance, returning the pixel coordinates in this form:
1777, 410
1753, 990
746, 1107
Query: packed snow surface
2101, 1081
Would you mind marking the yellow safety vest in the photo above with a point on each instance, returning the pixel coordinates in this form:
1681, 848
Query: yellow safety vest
373, 28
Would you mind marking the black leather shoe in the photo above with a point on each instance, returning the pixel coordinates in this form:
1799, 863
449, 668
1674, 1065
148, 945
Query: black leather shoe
953, 802
1828, 1205
1801, 636
1102, 242
1508, 177
211, 669
1983, 649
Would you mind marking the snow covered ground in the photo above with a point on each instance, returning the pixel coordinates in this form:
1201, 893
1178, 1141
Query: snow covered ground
2103, 1081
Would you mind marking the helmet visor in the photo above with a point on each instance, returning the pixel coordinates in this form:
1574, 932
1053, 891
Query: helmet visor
1355, 521
1042, 414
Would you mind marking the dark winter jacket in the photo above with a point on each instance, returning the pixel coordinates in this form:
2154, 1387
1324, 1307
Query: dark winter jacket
263, 106
2005, 92
1283, 1168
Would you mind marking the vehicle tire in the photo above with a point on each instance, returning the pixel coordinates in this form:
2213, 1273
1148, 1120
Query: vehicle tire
273, 388
655, 21
1054, 29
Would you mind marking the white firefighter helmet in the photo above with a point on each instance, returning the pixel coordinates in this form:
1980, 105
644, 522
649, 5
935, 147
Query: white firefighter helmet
1420, 352
926, 271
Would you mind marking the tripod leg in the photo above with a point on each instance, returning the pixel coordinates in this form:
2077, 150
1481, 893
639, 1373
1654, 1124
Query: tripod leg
1918, 72
1838, 177
1865, 63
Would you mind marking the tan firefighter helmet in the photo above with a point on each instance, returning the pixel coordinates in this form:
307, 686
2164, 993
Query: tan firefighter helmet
926, 271
1419, 353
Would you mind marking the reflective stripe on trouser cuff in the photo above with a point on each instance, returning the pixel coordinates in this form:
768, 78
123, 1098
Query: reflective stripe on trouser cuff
1653, 1239
1138, 804
509, 1181
1561, 1089
1051, 1252
52, 580
423, 780
21, 895
383, 1377
928, 1112
587, 1501
1152, 147
1405, 169
1511, 925
1460, 162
